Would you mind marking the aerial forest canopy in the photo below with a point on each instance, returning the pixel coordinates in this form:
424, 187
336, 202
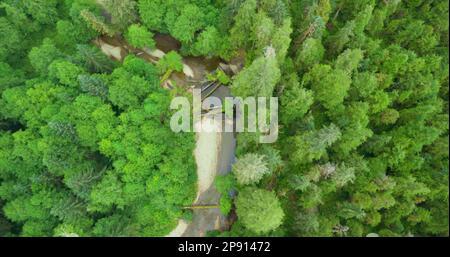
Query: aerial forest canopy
86, 147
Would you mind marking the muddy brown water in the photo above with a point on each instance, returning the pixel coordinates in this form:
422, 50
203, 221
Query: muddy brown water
166, 43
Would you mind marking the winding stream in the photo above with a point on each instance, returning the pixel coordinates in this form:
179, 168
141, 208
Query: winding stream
215, 151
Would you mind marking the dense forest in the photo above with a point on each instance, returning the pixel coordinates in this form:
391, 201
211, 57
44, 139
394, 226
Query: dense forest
86, 147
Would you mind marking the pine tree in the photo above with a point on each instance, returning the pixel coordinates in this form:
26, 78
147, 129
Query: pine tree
97, 23
250, 169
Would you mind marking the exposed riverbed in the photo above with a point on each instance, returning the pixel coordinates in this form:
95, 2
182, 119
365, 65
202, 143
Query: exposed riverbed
214, 151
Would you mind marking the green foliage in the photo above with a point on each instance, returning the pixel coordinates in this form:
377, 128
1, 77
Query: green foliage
131, 83
106, 194
74, 30
65, 73
259, 79
295, 101
354, 121
152, 13
123, 12
225, 184
219, 76
189, 22
67, 167
259, 210
85, 143
41, 57
198, 25
281, 40
225, 203
9, 77
44, 12
140, 37
330, 86
93, 85
312, 145
12, 42
93, 60
310, 53
97, 23
243, 23
209, 42
349, 60
172, 61
188, 215
250, 169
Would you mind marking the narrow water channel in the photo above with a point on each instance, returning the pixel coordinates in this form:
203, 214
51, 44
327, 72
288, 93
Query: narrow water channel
218, 148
